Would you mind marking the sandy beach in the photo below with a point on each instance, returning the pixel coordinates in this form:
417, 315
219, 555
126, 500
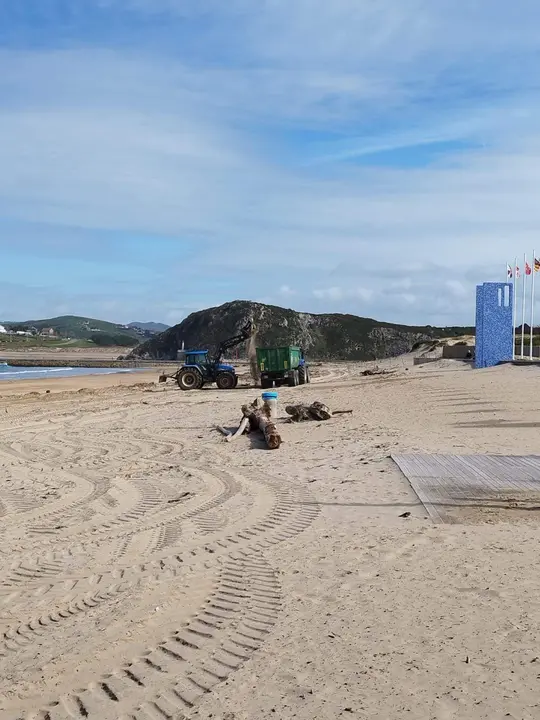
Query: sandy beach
152, 570
23, 388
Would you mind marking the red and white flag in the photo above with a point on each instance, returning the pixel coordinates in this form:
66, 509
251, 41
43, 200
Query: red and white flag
518, 273
528, 269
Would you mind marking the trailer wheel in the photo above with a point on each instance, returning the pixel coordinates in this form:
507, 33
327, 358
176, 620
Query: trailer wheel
189, 379
293, 378
266, 383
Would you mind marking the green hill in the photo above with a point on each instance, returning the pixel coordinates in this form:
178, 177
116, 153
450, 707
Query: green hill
74, 327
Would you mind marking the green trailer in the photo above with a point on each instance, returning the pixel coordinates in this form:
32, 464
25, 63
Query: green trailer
282, 366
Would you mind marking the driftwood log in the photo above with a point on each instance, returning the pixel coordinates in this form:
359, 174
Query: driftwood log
376, 371
240, 430
223, 431
315, 411
257, 417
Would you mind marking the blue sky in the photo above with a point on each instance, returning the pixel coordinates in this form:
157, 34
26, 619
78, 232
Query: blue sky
161, 156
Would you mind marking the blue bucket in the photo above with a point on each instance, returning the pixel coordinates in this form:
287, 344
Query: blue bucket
271, 395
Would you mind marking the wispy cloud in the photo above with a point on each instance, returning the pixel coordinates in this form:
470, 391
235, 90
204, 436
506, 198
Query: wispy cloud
335, 293
207, 141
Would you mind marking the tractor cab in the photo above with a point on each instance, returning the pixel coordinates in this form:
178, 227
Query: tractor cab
201, 360
196, 357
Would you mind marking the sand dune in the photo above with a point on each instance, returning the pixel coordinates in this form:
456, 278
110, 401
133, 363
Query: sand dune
151, 570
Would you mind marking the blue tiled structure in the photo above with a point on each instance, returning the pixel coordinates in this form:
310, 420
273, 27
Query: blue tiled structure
479, 351
494, 324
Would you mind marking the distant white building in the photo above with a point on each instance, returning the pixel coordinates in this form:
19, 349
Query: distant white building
2, 329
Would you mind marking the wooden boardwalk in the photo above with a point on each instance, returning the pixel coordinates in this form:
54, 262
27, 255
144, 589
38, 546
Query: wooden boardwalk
448, 481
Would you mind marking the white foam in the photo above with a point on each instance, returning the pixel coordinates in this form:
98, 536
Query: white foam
37, 372
34, 371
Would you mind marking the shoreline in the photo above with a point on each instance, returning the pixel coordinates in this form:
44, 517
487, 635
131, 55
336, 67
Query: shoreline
82, 362
74, 383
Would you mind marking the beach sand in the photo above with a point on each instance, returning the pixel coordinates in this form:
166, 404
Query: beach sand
43, 386
73, 353
152, 570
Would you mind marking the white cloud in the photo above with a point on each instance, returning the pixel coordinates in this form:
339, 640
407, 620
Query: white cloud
458, 288
222, 146
408, 298
331, 293
338, 293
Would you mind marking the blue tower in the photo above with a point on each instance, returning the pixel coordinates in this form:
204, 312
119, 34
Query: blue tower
494, 324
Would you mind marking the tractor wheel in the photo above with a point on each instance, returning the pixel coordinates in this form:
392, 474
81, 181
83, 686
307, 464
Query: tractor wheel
226, 381
189, 379
302, 375
236, 381
308, 376
293, 378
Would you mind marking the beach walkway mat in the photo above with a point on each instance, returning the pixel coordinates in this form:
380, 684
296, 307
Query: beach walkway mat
446, 483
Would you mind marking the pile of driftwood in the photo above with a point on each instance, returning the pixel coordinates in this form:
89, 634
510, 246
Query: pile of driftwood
257, 416
376, 371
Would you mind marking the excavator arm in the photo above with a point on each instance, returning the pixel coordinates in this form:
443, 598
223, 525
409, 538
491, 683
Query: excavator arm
245, 333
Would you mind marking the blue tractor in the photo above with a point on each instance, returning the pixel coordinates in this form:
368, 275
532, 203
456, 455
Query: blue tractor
201, 368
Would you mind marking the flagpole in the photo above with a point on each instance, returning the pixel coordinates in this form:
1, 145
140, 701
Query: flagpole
524, 274
532, 307
514, 310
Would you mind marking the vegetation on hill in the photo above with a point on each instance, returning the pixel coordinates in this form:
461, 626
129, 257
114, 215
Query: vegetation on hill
73, 327
106, 339
324, 337
9, 343
152, 327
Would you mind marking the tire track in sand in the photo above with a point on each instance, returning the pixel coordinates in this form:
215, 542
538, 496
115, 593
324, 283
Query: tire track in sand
285, 516
168, 678
160, 530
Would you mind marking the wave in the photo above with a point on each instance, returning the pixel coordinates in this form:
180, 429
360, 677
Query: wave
34, 371
9, 372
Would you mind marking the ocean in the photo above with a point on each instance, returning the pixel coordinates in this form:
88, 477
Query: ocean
7, 372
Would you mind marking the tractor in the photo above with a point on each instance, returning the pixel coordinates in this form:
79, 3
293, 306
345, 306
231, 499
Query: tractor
200, 368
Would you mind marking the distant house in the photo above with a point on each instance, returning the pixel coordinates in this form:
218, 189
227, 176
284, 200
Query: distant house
48, 332
3, 329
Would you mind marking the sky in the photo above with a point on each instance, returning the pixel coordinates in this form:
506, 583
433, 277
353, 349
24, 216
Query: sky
375, 157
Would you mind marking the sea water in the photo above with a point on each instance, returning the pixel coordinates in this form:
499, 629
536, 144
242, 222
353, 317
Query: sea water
8, 372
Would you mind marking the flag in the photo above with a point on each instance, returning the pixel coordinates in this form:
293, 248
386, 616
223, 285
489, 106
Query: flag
536, 264
518, 274
509, 273
528, 270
